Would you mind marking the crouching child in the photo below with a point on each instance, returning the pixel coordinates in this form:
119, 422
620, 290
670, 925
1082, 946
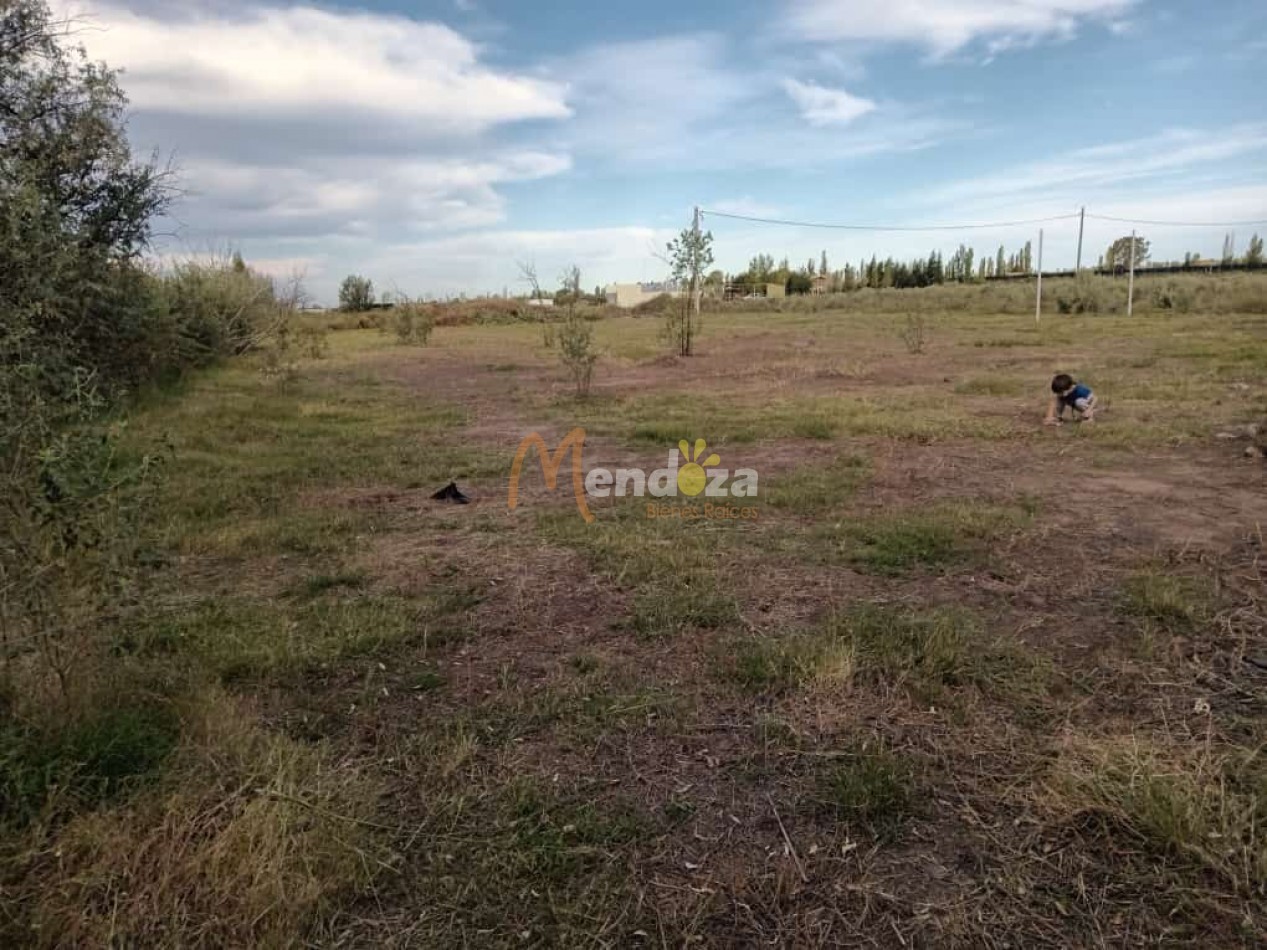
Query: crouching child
1068, 394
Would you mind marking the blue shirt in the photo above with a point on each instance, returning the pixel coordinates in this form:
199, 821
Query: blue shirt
1078, 392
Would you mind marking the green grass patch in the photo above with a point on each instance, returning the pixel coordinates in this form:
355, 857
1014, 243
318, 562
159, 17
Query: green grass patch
940, 536
817, 486
243, 451
1174, 603
993, 386
242, 637
872, 785
314, 585
926, 650
667, 610
83, 763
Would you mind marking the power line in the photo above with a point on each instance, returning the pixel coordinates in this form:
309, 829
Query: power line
882, 227
1180, 224
973, 227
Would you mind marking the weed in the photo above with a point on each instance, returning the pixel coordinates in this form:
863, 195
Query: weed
870, 784
662, 611
316, 584
1176, 604
82, 763
914, 333
1204, 804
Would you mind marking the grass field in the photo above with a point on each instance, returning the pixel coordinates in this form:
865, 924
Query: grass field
966, 681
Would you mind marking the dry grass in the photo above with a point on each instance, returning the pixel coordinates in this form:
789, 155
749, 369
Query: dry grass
247, 840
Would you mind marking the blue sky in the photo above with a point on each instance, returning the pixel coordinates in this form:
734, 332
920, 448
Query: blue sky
434, 145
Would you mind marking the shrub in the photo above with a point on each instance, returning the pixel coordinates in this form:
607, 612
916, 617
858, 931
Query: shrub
915, 333
414, 323
1171, 296
1083, 297
356, 293
577, 352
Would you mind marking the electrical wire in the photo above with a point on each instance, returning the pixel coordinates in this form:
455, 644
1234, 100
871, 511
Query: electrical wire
879, 227
1179, 224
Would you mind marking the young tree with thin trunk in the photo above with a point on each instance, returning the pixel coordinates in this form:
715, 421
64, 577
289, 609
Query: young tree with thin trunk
690, 254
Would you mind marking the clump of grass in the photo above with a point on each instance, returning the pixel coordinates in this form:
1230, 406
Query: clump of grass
939, 536
990, 386
239, 637
813, 427
1173, 603
317, 584
814, 487
772, 664
248, 841
1206, 805
96, 757
667, 611
870, 784
926, 650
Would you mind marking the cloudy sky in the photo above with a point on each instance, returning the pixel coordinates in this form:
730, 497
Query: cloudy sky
433, 144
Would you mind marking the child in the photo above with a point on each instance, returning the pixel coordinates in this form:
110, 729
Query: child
1065, 393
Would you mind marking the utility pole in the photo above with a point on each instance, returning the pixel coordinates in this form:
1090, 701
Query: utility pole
1082, 217
1130, 282
1038, 302
697, 280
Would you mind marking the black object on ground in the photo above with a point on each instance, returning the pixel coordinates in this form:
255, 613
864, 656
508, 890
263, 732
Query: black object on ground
451, 492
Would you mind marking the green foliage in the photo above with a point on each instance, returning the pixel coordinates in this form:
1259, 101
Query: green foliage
1118, 256
1174, 603
1254, 252
81, 763
414, 323
356, 293
1083, 296
575, 336
870, 784
938, 536
577, 353
220, 307
690, 255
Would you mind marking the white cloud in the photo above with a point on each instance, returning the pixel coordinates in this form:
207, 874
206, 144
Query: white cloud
292, 122
266, 59
355, 195
821, 105
1080, 173
945, 26
643, 101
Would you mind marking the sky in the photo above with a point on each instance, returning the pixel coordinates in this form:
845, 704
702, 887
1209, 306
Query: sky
434, 146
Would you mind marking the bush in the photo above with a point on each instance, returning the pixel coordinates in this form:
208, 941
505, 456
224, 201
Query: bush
577, 353
1171, 296
915, 333
414, 323
1083, 297
220, 307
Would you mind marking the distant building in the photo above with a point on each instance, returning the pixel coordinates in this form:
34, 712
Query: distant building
540, 302
630, 295
820, 284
